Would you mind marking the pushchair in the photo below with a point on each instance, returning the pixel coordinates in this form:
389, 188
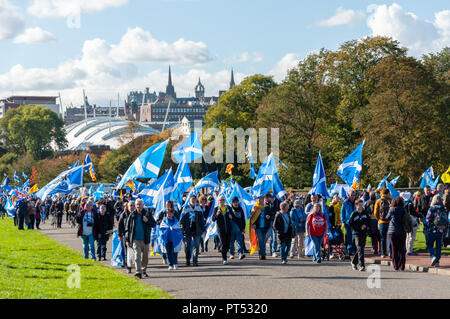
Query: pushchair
333, 244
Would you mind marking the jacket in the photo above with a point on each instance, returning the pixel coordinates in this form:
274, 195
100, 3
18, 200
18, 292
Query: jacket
423, 205
378, 211
102, 224
346, 211
337, 207
279, 226
266, 211
298, 219
122, 223
431, 215
223, 221
238, 217
395, 218
356, 222
79, 220
197, 227
130, 227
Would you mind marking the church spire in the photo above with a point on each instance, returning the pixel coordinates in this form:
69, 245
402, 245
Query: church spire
170, 90
232, 79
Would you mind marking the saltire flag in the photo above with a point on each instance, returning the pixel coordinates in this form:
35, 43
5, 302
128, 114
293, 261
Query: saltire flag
394, 192
77, 163
138, 186
87, 162
249, 155
33, 189
117, 258
147, 165
446, 176
340, 189
183, 181
427, 178
381, 183
118, 178
150, 193
26, 185
246, 201
319, 179
24, 176
350, 168
264, 180
211, 227
63, 183
163, 233
9, 207
99, 193
395, 180
90, 191
191, 149
6, 181
436, 181
229, 169
164, 193
211, 180
16, 177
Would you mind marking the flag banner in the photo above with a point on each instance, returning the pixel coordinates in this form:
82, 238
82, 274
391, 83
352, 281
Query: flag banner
309, 246
16, 177
147, 165
351, 167
427, 178
189, 150
99, 193
381, 183
63, 183
229, 169
6, 181
319, 179
183, 181
446, 176
117, 258
176, 235
24, 176
394, 193
249, 155
211, 227
394, 180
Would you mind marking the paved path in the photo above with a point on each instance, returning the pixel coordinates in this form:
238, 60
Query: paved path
252, 278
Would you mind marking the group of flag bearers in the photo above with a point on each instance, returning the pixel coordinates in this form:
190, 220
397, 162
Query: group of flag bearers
163, 197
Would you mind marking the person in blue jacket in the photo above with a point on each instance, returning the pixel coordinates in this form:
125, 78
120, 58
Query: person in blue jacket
348, 207
298, 219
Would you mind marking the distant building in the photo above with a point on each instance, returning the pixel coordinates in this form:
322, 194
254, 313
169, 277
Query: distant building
16, 101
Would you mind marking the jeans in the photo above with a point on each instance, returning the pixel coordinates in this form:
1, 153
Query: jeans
351, 248
187, 248
171, 255
237, 236
88, 245
358, 258
101, 246
284, 249
383, 228
261, 234
317, 243
431, 238
123, 242
273, 239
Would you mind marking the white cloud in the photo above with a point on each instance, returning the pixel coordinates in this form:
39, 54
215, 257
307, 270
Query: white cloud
12, 22
67, 8
35, 35
138, 45
281, 68
244, 57
419, 36
342, 17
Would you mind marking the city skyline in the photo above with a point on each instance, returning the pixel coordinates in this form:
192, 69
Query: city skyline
47, 49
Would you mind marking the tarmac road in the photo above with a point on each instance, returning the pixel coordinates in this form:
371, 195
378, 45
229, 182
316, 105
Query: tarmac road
251, 278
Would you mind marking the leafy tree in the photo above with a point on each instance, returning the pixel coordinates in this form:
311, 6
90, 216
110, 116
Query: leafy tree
32, 129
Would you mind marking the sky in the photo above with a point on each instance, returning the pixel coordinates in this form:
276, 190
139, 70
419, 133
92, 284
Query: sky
109, 47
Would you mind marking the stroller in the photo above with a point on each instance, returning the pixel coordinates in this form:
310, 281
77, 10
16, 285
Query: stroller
333, 244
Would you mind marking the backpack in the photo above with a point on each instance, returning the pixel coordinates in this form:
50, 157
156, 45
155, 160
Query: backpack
407, 222
384, 208
441, 219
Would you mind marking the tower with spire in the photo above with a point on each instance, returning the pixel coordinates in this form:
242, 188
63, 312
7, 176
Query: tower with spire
232, 80
199, 90
170, 90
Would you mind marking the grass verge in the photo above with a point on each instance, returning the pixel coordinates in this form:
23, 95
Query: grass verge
34, 266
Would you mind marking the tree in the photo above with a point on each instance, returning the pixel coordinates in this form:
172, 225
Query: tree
32, 129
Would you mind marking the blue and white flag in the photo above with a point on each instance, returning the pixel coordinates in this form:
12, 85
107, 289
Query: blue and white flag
350, 169
211, 226
164, 193
394, 192
99, 193
436, 181
245, 199
117, 258
191, 149
394, 181
264, 180
147, 165
9, 207
429, 171
211, 180
16, 177
340, 189
427, 178
24, 176
176, 235
87, 163
381, 183
6, 181
319, 179
151, 193
63, 183
183, 181
26, 186
77, 163
249, 153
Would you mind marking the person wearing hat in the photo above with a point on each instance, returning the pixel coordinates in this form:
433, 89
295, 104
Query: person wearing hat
237, 228
411, 236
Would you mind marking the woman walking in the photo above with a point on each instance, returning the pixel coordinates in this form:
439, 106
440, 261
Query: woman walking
437, 222
283, 225
298, 218
171, 236
396, 233
86, 226
316, 227
222, 215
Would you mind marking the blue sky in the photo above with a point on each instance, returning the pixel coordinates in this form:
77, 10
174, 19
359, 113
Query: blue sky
42, 54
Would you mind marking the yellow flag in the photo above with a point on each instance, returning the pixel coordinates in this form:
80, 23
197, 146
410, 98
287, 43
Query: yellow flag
446, 176
130, 184
33, 189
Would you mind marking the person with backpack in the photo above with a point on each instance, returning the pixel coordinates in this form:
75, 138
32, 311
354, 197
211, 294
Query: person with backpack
399, 225
359, 222
283, 226
381, 211
410, 236
437, 222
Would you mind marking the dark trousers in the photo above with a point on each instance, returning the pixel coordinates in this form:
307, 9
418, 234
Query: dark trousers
398, 247
375, 236
171, 255
124, 252
349, 242
187, 248
31, 223
383, 228
225, 239
59, 220
101, 246
38, 222
21, 221
358, 258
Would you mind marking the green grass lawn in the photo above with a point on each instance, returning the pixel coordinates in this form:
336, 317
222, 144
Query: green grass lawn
34, 266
